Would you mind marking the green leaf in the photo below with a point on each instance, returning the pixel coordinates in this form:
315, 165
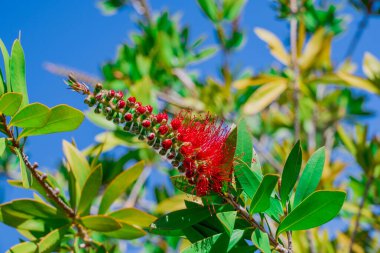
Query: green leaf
216, 243
228, 220
232, 8
243, 154
317, 209
236, 236
210, 9
133, 216
181, 219
32, 115
2, 84
100, 223
119, 185
10, 103
290, 173
26, 175
25, 247
275, 210
5, 54
52, 240
31, 208
90, 189
182, 184
17, 71
78, 168
261, 199
62, 118
310, 176
261, 241
2, 146
126, 232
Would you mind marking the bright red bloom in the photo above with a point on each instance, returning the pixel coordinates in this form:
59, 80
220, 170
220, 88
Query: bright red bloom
141, 109
128, 116
145, 123
163, 129
121, 104
132, 99
167, 143
149, 108
162, 116
176, 123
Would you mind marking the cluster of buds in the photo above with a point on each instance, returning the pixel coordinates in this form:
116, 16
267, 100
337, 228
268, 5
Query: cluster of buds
194, 144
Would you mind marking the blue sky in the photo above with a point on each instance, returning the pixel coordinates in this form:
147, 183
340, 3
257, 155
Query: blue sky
76, 34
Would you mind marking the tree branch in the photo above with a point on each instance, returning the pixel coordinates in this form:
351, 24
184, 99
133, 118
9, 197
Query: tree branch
357, 36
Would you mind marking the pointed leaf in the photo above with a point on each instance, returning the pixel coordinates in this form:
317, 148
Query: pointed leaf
119, 185
90, 189
312, 49
32, 115
228, 220
17, 71
51, 241
290, 173
24, 247
7, 76
371, 66
126, 232
133, 216
316, 210
261, 241
261, 199
26, 175
311, 176
100, 223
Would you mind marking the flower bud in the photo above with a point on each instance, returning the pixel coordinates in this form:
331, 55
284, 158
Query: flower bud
163, 129
149, 108
141, 109
151, 136
128, 117
146, 123
176, 123
161, 117
167, 143
121, 104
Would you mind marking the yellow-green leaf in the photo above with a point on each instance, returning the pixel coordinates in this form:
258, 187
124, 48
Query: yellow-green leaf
100, 223
264, 96
126, 232
25, 247
10, 103
32, 115
5, 54
26, 175
358, 82
90, 189
133, 216
312, 49
371, 66
276, 47
17, 71
51, 241
256, 80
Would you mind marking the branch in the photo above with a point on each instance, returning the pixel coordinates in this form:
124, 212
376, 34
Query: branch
132, 199
244, 213
41, 179
358, 216
357, 36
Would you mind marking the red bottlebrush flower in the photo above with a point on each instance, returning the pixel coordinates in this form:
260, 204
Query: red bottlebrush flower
176, 123
189, 163
161, 117
151, 136
145, 123
166, 144
141, 109
202, 186
119, 94
204, 140
121, 104
149, 108
128, 116
163, 129
132, 99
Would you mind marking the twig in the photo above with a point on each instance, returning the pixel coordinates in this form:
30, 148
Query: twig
357, 36
266, 155
132, 199
309, 237
185, 79
60, 70
295, 68
41, 179
244, 213
358, 216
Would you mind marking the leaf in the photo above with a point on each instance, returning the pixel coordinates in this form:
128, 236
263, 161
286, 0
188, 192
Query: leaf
371, 66
247, 178
32, 115
291, 171
90, 189
207, 245
119, 185
232, 8
2, 146
182, 184
2, 84
312, 49
26, 175
62, 118
126, 232
10, 103
236, 236
52, 240
17, 71
133, 216
347, 141
264, 96
276, 47
181, 219
176, 202
210, 9
275, 210
317, 209
358, 82
256, 80
30, 208
311, 176
261, 199
100, 223
5, 54
24, 247
261, 241
228, 220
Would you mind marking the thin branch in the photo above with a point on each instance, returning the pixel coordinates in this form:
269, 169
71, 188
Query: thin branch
309, 237
358, 216
266, 155
132, 199
295, 68
244, 213
357, 36
41, 179
60, 70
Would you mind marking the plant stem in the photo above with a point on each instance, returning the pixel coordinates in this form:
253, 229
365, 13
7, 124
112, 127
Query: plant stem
358, 216
357, 36
244, 213
41, 179
295, 68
